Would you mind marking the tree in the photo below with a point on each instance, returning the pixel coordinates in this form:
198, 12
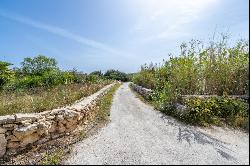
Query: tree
5, 73
38, 65
98, 73
116, 75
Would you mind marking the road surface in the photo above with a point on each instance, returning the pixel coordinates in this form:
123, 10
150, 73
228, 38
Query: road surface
137, 134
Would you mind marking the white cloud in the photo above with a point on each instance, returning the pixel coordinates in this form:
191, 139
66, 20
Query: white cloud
60, 32
166, 18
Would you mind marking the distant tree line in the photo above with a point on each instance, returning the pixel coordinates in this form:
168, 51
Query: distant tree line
43, 71
112, 74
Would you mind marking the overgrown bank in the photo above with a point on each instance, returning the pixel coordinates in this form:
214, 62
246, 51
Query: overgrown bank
104, 104
217, 69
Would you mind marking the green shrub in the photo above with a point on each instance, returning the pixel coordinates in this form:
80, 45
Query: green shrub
146, 77
199, 69
116, 75
38, 65
5, 73
212, 110
216, 69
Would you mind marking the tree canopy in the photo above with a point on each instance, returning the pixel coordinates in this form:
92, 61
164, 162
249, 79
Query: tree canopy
116, 75
5, 73
38, 65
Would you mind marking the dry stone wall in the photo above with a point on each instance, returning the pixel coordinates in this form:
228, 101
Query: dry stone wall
180, 108
19, 131
141, 90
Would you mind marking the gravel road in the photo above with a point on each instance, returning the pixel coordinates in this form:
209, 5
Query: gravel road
137, 134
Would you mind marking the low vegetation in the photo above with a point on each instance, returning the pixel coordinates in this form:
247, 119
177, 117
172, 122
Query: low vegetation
216, 69
53, 158
215, 110
42, 99
104, 105
39, 85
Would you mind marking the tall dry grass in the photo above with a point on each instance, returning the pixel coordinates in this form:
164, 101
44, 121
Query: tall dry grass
42, 99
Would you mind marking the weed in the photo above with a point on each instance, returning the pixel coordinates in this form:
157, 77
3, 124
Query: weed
104, 105
53, 158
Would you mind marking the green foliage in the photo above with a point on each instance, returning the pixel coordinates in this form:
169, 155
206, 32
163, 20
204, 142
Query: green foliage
53, 158
215, 69
130, 76
38, 65
116, 75
98, 73
105, 103
5, 73
42, 71
48, 78
146, 77
204, 111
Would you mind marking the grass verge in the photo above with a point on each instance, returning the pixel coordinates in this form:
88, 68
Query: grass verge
103, 112
104, 105
54, 158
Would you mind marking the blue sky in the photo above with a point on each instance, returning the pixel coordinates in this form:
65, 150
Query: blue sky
122, 34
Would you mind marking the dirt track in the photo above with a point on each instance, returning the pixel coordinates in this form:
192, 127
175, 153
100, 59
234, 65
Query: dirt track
137, 134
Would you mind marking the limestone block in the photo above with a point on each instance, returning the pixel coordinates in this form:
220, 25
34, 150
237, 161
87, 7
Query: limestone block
51, 117
7, 119
13, 145
28, 139
61, 128
45, 113
59, 118
43, 140
12, 138
2, 130
70, 124
3, 144
52, 127
21, 132
23, 117
10, 126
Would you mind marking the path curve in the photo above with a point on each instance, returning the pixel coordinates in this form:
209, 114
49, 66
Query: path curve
137, 134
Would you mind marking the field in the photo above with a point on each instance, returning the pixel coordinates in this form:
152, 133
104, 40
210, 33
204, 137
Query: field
42, 99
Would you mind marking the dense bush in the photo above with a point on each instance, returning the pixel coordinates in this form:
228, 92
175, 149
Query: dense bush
216, 69
5, 73
116, 75
98, 73
38, 65
41, 71
212, 110
146, 76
